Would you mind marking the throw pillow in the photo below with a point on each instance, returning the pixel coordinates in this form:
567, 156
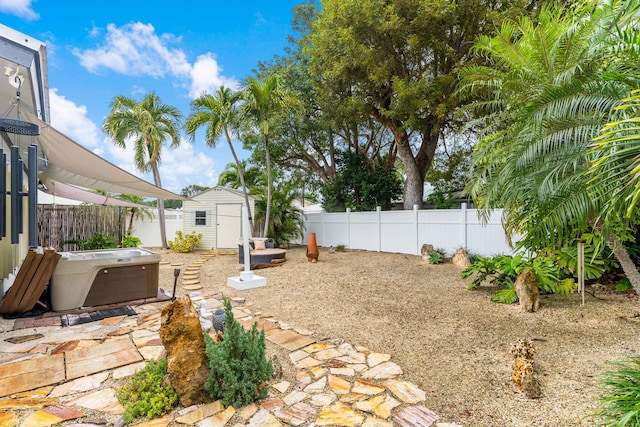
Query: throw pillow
259, 245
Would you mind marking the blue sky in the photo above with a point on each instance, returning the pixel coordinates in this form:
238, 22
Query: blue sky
99, 49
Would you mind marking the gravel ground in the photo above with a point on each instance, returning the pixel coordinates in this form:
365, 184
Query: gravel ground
452, 342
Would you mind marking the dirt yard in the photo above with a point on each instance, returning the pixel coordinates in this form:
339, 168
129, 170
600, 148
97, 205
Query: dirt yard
452, 342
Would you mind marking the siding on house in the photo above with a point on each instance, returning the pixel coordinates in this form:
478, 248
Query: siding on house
207, 205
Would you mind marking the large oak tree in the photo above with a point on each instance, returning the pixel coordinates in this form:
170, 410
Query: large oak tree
396, 61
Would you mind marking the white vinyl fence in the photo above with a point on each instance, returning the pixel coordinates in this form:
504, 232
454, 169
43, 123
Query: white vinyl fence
148, 230
382, 231
406, 231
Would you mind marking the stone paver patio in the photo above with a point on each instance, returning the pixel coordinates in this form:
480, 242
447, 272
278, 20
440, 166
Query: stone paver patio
51, 374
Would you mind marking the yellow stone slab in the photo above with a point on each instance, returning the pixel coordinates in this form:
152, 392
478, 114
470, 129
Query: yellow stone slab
339, 414
30, 374
110, 354
200, 413
289, 339
192, 287
8, 419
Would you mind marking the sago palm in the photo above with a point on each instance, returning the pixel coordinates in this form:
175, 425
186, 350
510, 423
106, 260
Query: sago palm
548, 89
147, 125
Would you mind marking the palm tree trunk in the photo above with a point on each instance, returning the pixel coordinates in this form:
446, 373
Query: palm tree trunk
130, 229
627, 264
268, 210
244, 185
163, 229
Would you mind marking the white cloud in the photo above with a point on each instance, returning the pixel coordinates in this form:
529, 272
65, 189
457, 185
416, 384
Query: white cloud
206, 76
19, 8
135, 49
179, 167
72, 120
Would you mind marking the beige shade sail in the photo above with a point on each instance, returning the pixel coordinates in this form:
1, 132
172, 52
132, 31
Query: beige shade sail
68, 162
70, 192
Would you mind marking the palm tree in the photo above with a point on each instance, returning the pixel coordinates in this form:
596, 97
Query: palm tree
135, 212
230, 176
220, 114
287, 221
147, 124
547, 90
263, 100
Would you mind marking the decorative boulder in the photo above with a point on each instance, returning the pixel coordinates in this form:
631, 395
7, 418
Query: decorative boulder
526, 287
523, 377
461, 259
182, 337
426, 250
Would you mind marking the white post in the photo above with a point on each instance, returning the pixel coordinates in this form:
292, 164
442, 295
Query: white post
246, 280
379, 217
581, 269
417, 228
245, 240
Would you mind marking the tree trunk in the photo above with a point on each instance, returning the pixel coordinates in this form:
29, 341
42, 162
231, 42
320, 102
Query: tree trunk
414, 182
242, 182
130, 228
629, 268
268, 210
163, 229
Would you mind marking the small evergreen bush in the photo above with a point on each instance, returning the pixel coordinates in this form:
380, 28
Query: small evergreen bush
184, 243
146, 394
619, 404
238, 365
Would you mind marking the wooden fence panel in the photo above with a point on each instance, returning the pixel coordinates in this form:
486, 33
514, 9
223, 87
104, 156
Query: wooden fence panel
60, 223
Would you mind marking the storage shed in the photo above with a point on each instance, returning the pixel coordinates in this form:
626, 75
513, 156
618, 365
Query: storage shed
217, 215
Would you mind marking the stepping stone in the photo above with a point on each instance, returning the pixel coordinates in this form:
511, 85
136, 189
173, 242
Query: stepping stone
376, 422
8, 419
110, 354
263, 418
51, 415
296, 414
101, 400
91, 382
26, 403
192, 287
405, 391
379, 405
415, 416
190, 282
339, 414
289, 340
29, 374
24, 338
200, 413
383, 371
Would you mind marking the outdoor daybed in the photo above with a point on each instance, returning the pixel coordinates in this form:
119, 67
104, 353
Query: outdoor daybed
262, 251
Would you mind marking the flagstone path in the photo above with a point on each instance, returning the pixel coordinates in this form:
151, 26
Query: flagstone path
51, 375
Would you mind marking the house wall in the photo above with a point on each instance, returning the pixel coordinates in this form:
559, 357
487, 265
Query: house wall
208, 202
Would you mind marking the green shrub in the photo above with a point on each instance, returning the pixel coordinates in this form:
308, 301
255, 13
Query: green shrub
97, 241
619, 403
184, 243
130, 242
341, 248
146, 394
238, 366
436, 257
504, 270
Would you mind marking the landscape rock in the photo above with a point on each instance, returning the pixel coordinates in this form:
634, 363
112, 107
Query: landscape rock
526, 287
523, 377
426, 250
182, 337
461, 259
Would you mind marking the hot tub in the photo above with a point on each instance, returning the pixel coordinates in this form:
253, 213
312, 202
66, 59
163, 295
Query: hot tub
107, 276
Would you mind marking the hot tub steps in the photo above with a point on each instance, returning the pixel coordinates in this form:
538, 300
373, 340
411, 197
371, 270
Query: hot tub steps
32, 279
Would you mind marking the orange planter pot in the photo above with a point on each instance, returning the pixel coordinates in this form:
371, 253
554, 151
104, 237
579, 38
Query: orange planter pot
312, 249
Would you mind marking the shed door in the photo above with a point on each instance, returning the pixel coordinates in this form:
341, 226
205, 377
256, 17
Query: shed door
228, 226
